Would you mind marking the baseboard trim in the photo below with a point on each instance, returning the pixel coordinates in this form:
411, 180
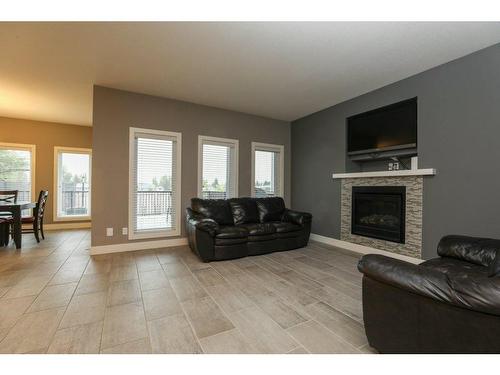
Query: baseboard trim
58, 226
361, 248
134, 246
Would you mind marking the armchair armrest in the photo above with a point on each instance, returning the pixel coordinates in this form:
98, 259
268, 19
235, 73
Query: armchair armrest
296, 217
473, 293
407, 276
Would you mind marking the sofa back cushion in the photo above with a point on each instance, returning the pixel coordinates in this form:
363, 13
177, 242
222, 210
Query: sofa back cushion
475, 250
270, 209
244, 210
216, 209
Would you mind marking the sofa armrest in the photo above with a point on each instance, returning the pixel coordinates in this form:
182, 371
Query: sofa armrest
201, 222
407, 276
296, 217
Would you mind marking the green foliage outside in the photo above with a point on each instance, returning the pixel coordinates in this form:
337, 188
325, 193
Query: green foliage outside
12, 166
214, 186
263, 184
70, 178
165, 183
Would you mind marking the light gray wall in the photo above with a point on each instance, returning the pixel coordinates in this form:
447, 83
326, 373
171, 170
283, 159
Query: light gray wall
458, 134
115, 111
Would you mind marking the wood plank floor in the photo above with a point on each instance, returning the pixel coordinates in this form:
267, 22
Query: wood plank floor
55, 298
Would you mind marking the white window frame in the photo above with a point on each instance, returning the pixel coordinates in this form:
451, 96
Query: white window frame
204, 139
70, 150
32, 150
257, 146
154, 233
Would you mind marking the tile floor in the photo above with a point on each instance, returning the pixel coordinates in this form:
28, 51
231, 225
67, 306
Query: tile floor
55, 298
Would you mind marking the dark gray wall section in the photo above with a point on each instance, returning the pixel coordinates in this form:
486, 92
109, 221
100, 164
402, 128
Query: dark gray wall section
458, 134
115, 111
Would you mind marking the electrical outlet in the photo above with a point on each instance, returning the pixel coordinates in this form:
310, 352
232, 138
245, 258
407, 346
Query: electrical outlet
395, 166
125, 231
109, 232
390, 166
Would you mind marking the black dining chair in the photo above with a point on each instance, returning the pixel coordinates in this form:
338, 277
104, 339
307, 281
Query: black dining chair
6, 196
9, 196
37, 218
4, 232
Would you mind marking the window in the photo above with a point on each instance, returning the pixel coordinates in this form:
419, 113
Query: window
73, 183
155, 177
217, 168
267, 170
17, 171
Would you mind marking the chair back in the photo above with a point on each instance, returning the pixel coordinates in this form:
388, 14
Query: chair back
8, 196
40, 207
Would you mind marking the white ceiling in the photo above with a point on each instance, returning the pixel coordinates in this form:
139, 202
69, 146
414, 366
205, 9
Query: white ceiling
279, 70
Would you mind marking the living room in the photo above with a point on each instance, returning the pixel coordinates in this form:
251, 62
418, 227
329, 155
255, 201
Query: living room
249, 188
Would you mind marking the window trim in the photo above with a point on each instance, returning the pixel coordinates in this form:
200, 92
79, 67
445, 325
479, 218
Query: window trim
32, 149
55, 206
178, 157
257, 146
204, 139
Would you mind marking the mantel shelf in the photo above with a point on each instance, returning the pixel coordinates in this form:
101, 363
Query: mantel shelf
399, 173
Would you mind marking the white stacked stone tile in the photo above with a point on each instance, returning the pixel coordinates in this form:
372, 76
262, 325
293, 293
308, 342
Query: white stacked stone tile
413, 231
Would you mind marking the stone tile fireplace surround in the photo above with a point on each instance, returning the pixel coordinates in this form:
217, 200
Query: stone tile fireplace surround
413, 216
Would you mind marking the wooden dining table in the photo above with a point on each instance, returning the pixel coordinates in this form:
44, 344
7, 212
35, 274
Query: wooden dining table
16, 210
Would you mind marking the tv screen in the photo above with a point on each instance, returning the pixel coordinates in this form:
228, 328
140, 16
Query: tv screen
387, 128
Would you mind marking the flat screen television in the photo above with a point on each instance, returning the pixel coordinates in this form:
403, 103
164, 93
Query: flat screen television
393, 127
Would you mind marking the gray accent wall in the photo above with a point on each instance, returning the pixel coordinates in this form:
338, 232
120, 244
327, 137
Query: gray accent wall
458, 134
115, 111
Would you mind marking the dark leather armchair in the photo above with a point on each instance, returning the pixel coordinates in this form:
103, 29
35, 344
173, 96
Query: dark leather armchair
449, 304
221, 229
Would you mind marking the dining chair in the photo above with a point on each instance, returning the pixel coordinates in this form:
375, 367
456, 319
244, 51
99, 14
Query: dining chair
6, 196
4, 232
9, 196
37, 218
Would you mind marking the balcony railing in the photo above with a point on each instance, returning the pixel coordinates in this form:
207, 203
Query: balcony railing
154, 203
214, 194
75, 202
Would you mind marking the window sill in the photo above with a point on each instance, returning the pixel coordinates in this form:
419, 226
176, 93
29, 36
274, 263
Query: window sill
153, 234
73, 218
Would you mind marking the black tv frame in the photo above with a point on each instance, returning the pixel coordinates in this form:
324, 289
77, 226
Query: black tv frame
384, 152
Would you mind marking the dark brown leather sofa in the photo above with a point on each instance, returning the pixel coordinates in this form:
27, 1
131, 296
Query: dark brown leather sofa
221, 229
449, 304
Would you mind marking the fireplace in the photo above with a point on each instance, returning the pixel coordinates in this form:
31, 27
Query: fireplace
379, 212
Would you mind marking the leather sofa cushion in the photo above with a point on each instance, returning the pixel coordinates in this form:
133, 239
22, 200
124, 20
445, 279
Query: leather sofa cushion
476, 250
229, 241
284, 227
216, 209
494, 269
262, 237
244, 210
270, 209
258, 229
231, 232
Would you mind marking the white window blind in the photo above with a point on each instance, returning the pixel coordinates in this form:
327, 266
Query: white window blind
16, 171
219, 168
155, 179
73, 183
268, 170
